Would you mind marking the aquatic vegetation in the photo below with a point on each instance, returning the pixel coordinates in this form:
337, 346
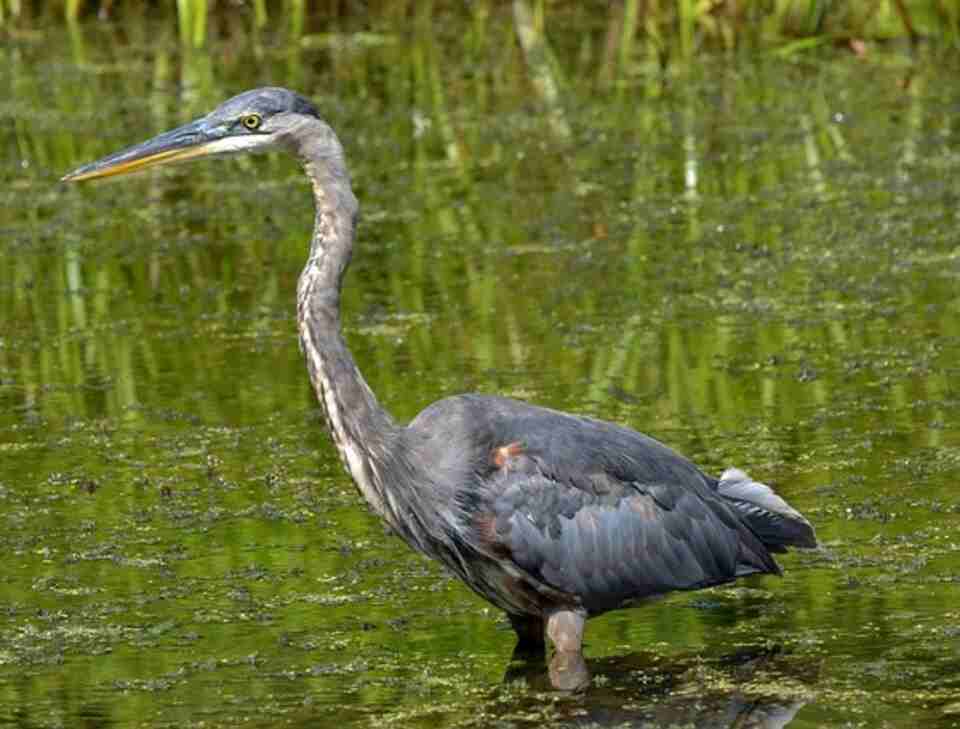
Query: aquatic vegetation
682, 28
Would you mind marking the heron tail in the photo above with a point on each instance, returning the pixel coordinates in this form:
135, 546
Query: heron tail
773, 520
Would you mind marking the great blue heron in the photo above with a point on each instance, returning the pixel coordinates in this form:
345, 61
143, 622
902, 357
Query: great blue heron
551, 517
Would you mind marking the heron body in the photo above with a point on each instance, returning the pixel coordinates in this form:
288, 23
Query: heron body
552, 517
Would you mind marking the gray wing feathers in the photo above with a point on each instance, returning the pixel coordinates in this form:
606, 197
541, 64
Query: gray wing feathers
771, 518
610, 551
590, 510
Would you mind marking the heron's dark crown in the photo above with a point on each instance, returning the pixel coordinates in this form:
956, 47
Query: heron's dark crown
267, 102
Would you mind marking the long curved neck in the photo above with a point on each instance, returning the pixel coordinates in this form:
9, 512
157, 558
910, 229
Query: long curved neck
362, 430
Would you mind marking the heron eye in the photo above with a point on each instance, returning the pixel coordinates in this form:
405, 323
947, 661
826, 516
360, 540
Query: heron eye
251, 121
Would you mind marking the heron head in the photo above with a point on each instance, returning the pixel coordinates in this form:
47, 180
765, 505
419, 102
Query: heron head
254, 121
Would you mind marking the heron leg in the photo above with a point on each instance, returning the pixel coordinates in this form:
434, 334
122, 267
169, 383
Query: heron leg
568, 670
529, 630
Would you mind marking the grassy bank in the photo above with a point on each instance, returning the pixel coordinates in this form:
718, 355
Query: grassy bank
679, 27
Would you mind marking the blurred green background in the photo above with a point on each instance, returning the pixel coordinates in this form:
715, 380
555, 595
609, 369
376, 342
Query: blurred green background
684, 27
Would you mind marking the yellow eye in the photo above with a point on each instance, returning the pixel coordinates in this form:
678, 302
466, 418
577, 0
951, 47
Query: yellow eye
251, 121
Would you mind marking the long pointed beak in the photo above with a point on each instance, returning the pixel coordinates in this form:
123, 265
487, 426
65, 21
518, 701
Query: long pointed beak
190, 141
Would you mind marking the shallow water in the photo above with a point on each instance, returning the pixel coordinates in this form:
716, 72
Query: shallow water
754, 259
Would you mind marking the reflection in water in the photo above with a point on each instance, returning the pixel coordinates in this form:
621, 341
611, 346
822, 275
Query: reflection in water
758, 688
542, 67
